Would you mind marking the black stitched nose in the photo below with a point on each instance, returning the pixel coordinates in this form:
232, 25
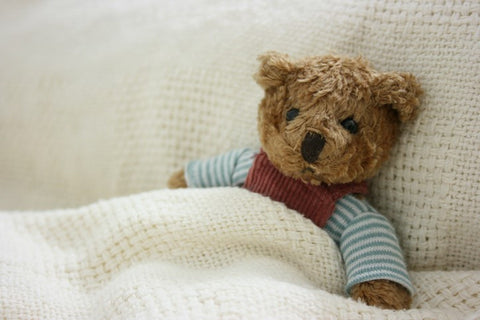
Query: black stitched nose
312, 145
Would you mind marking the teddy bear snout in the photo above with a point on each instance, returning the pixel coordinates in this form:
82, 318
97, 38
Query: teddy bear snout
312, 146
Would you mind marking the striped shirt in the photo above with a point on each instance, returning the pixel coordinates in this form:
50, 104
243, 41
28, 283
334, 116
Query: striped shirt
367, 240
226, 170
368, 244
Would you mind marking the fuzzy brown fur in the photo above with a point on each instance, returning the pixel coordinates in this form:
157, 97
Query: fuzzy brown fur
326, 91
383, 294
177, 180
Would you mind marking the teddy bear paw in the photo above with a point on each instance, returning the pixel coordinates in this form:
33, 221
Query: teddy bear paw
177, 180
383, 294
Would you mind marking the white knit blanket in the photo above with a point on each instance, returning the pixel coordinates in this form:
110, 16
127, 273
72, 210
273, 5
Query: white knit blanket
198, 254
105, 99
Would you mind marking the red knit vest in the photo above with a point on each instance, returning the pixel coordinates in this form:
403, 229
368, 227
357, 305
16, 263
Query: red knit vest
314, 202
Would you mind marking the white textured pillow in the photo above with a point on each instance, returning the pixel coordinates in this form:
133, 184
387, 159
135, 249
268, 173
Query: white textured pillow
106, 99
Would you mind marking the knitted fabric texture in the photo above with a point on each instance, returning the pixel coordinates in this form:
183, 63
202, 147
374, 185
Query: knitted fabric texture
193, 254
314, 202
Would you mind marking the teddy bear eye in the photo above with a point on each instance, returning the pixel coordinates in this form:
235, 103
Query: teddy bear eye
350, 125
292, 114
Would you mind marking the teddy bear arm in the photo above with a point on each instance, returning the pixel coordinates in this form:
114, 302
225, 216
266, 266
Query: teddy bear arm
225, 170
372, 254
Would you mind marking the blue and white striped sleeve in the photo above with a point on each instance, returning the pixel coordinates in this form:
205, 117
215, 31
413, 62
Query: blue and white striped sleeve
368, 244
229, 169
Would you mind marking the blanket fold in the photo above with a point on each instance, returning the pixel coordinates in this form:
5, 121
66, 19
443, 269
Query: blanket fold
193, 253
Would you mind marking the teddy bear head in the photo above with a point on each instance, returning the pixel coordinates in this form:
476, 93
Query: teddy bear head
331, 119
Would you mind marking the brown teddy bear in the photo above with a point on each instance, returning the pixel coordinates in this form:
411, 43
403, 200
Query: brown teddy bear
326, 125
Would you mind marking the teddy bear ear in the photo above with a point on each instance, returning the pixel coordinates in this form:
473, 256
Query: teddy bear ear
399, 90
274, 69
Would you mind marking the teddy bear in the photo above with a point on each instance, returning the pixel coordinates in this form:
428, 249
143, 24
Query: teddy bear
326, 125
